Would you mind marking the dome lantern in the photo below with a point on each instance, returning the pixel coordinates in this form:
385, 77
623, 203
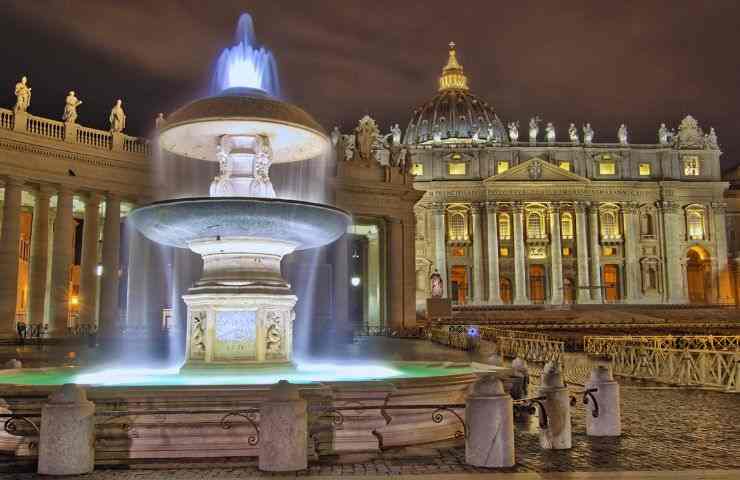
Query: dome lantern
453, 77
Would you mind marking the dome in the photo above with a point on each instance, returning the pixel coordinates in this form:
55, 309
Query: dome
454, 114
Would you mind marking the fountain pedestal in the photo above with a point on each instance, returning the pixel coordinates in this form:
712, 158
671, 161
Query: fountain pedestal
241, 311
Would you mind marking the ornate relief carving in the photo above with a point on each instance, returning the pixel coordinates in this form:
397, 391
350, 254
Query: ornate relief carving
197, 333
273, 333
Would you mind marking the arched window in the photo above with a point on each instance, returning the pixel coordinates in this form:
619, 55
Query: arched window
695, 223
535, 225
504, 226
609, 225
566, 225
646, 224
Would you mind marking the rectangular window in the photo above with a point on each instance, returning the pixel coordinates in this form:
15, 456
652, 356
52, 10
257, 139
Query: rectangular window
566, 251
456, 168
417, 169
644, 169
458, 251
503, 166
565, 166
503, 251
607, 167
691, 165
608, 251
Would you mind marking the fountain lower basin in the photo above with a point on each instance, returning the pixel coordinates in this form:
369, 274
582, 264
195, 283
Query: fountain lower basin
241, 310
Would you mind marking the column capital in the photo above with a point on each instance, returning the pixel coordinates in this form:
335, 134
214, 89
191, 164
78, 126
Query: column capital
719, 207
593, 208
580, 206
554, 207
517, 207
113, 197
667, 206
438, 208
45, 190
630, 207
93, 198
13, 181
491, 206
476, 208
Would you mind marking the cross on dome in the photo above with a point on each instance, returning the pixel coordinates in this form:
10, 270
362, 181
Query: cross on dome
453, 77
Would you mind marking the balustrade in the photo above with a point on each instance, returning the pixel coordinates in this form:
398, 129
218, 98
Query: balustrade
6, 119
135, 145
94, 138
605, 345
45, 127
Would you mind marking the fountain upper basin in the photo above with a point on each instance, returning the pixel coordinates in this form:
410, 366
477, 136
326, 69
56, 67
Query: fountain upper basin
180, 222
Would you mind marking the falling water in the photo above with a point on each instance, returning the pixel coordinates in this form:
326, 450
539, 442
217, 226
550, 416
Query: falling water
245, 64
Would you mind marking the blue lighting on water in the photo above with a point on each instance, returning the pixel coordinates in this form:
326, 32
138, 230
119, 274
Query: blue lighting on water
246, 65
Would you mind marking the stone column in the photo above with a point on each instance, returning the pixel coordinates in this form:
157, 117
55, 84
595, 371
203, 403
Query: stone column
520, 260
66, 443
494, 280
89, 264
719, 210
111, 251
673, 256
593, 217
489, 417
395, 280
556, 256
9, 251
341, 282
477, 254
39, 257
584, 292
631, 252
61, 260
283, 445
440, 245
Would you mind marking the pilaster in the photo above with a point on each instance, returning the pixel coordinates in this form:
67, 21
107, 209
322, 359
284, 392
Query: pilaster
595, 246
631, 251
556, 256
62, 252
89, 264
494, 279
440, 245
674, 262
584, 292
477, 254
520, 252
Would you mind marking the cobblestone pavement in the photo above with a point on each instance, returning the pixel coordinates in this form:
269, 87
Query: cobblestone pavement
664, 428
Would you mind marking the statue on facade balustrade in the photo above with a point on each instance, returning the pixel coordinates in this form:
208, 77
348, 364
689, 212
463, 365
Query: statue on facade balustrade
366, 135
534, 128
117, 117
22, 95
711, 141
573, 133
622, 134
476, 133
588, 134
550, 132
436, 133
514, 131
70, 108
396, 134
436, 284
159, 121
663, 134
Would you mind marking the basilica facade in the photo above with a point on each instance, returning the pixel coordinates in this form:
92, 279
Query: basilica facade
542, 220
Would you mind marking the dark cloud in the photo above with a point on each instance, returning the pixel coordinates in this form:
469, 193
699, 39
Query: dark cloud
635, 62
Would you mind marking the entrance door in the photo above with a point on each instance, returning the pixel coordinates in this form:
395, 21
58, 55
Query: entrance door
505, 290
611, 283
537, 283
697, 274
459, 283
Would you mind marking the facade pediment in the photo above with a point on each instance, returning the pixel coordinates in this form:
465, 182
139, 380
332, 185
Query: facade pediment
537, 170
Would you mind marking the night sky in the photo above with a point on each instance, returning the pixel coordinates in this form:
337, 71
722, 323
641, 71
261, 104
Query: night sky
637, 62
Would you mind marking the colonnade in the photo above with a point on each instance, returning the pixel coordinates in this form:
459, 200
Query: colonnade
50, 268
588, 286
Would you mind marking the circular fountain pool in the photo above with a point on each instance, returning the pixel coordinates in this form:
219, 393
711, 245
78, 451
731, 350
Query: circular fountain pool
304, 373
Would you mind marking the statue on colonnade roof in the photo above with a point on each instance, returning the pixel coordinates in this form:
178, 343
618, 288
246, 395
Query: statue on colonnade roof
22, 95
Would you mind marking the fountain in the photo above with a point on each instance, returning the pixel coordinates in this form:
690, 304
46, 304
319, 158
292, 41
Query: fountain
241, 310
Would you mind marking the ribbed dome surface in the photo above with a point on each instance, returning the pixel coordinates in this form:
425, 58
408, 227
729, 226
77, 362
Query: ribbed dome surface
454, 114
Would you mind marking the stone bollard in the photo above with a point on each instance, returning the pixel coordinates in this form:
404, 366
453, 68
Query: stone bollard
608, 421
557, 434
67, 433
489, 419
283, 430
